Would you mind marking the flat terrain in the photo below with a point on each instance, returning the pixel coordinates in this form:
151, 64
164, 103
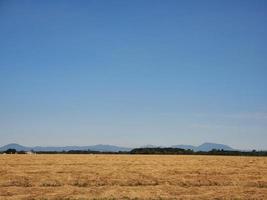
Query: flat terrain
132, 177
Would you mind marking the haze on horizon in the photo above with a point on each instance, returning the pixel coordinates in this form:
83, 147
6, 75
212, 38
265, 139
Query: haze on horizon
132, 73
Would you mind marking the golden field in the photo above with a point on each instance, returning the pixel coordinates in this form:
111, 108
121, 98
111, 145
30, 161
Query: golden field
132, 177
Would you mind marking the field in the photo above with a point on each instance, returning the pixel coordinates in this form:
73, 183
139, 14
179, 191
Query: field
132, 177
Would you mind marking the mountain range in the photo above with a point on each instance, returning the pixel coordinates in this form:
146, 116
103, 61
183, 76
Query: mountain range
205, 147
112, 148
99, 147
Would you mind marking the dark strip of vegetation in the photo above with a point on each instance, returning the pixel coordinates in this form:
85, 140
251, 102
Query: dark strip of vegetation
149, 151
178, 151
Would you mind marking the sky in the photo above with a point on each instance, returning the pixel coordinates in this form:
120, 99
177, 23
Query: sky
133, 73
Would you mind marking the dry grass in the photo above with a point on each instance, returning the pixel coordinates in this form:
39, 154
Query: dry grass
131, 177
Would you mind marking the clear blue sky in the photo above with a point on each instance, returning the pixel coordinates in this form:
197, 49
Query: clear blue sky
133, 72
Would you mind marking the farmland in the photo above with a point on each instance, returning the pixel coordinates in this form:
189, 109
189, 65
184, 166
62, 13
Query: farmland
132, 177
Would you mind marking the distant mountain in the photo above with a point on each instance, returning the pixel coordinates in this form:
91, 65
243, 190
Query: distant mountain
99, 147
149, 146
112, 148
182, 146
209, 146
205, 147
18, 147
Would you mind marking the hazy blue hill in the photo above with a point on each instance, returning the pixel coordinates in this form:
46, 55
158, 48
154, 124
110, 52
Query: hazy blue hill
39, 148
18, 147
149, 146
182, 146
204, 147
209, 146
112, 148
99, 147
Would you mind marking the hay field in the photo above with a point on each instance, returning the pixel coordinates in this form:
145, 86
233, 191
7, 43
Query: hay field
132, 177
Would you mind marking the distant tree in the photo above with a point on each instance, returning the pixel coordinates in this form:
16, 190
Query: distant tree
11, 151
